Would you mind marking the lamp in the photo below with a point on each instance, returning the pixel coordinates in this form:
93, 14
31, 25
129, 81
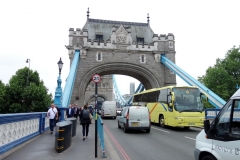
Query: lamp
58, 92
28, 61
60, 65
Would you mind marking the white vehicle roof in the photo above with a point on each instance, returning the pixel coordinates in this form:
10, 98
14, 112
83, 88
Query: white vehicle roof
236, 94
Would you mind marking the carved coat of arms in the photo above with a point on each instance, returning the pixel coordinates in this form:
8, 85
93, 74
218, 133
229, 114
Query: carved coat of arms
121, 35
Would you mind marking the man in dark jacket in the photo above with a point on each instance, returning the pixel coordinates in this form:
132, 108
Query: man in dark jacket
76, 111
70, 112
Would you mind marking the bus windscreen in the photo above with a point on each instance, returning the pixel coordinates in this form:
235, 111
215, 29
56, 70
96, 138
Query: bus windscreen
187, 99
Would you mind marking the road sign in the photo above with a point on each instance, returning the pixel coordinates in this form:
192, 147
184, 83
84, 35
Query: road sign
96, 78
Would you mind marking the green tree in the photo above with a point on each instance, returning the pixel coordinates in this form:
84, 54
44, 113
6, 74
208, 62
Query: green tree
223, 77
2, 97
26, 97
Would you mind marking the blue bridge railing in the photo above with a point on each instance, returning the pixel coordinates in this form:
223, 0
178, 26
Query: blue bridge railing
18, 128
100, 133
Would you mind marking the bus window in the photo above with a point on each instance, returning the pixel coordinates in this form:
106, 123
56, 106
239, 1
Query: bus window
163, 97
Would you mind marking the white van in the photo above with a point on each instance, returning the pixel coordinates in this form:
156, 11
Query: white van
135, 118
109, 109
221, 139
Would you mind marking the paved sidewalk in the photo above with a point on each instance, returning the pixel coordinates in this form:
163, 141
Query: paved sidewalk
42, 148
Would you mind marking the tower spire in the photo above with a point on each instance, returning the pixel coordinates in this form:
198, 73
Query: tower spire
88, 14
148, 18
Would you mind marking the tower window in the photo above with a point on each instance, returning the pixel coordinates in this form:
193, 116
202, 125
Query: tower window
140, 40
99, 56
142, 58
99, 37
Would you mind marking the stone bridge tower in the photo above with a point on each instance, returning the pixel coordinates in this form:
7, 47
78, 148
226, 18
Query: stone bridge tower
116, 47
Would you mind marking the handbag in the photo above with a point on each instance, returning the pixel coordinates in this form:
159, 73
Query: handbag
90, 116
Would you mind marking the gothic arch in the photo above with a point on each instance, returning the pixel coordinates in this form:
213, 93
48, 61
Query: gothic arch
145, 76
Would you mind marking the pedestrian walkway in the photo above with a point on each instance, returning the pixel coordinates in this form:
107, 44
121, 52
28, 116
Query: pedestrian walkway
42, 148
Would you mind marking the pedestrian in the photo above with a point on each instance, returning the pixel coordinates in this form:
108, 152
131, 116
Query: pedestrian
76, 111
85, 121
52, 114
70, 112
80, 112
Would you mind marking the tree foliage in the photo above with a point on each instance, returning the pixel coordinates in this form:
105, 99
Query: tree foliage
26, 93
2, 96
223, 77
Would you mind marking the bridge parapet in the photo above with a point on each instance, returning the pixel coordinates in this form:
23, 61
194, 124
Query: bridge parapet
18, 128
78, 37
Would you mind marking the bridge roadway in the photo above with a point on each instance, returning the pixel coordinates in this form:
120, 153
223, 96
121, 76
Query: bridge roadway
161, 143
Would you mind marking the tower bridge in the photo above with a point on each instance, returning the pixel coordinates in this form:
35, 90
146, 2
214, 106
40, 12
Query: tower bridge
105, 47
117, 47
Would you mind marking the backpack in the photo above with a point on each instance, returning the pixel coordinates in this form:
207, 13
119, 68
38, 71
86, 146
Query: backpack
85, 114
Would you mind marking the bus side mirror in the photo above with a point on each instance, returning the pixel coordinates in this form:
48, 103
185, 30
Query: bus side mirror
206, 126
169, 98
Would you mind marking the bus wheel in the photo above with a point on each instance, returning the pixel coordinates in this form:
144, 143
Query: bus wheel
161, 121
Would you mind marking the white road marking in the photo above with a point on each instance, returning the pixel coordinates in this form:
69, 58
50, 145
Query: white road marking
160, 129
190, 138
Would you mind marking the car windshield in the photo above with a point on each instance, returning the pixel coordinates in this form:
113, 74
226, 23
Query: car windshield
187, 100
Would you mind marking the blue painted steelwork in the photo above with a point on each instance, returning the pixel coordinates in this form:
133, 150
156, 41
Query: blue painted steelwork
139, 89
18, 117
214, 99
118, 95
67, 92
100, 133
58, 96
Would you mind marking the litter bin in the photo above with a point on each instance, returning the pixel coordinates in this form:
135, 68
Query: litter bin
74, 125
63, 136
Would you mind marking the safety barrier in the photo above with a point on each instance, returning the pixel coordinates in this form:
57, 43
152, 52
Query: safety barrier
100, 133
18, 128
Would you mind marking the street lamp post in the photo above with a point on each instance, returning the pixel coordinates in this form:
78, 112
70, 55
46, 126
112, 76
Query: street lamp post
28, 61
58, 92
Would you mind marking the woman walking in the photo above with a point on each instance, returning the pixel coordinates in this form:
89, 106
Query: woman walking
85, 121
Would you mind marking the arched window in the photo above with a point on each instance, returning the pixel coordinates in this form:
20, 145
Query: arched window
142, 58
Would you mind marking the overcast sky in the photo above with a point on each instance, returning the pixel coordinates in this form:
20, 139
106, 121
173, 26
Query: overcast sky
38, 30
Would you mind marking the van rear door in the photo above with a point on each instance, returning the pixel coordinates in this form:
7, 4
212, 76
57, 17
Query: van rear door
138, 116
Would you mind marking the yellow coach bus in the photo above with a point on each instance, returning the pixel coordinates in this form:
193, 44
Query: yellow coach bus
173, 106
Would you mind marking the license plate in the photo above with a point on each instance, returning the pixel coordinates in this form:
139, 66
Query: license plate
135, 124
106, 114
191, 123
